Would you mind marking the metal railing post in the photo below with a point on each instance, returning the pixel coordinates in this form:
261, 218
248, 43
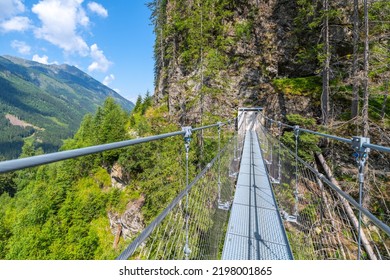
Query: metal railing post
296, 192
187, 140
361, 155
235, 139
219, 162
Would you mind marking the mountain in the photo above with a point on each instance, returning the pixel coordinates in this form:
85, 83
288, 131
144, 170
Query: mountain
45, 103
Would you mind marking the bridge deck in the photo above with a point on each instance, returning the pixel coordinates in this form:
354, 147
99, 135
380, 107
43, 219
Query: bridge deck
255, 230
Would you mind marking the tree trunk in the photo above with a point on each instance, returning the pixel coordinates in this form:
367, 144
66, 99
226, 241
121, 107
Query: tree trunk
201, 140
348, 210
117, 236
330, 214
355, 65
365, 73
383, 114
325, 72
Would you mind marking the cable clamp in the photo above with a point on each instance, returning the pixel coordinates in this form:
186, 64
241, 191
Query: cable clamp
187, 136
360, 151
187, 133
358, 144
296, 130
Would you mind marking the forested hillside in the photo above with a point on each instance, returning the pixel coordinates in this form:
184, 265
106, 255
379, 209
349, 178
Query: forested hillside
305, 57
45, 103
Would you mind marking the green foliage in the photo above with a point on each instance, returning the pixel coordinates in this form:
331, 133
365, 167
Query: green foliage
379, 12
138, 104
215, 61
154, 166
299, 251
102, 177
195, 30
138, 121
309, 212
300, 120
376, 105
7, 183
307, 143
243, 30
380, 63
308, 86
309, 39
108, 125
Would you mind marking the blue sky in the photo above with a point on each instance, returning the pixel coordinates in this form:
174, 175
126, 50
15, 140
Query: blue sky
110, 40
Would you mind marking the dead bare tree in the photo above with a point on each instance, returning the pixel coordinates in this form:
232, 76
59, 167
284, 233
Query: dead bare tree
365, 72
326, 68
355, 64
348, 210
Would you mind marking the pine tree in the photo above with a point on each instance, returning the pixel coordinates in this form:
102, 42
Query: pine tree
138, 104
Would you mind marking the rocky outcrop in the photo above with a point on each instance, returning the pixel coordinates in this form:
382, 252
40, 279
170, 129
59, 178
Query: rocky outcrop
260, 41
118, 177
254, 58
128, 223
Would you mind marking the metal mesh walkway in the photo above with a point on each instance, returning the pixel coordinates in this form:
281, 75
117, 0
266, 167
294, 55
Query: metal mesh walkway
255, 230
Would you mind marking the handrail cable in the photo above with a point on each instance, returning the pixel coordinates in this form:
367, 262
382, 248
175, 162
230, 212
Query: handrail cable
22, 163
334, 137
346, 196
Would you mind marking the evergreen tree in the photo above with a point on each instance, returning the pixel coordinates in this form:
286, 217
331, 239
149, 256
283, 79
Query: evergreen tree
147, 102
138, 104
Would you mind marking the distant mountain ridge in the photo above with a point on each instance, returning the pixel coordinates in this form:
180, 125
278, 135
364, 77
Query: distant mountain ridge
53, 97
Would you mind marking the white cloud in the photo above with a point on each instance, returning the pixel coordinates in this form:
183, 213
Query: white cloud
60, 20
9, 8
41, 59
21, 47
82, 17
16, 24
100, 63
98, 9
108, 79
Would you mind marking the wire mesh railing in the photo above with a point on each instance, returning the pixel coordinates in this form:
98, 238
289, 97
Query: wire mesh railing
320, 222
193, 226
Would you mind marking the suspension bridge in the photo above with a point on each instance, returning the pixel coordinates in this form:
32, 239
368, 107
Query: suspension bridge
256, 199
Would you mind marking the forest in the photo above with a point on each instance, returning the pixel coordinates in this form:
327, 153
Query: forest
59, 211
52, 98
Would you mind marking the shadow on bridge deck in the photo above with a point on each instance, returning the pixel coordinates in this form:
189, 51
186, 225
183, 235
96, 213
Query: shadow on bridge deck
255, 230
